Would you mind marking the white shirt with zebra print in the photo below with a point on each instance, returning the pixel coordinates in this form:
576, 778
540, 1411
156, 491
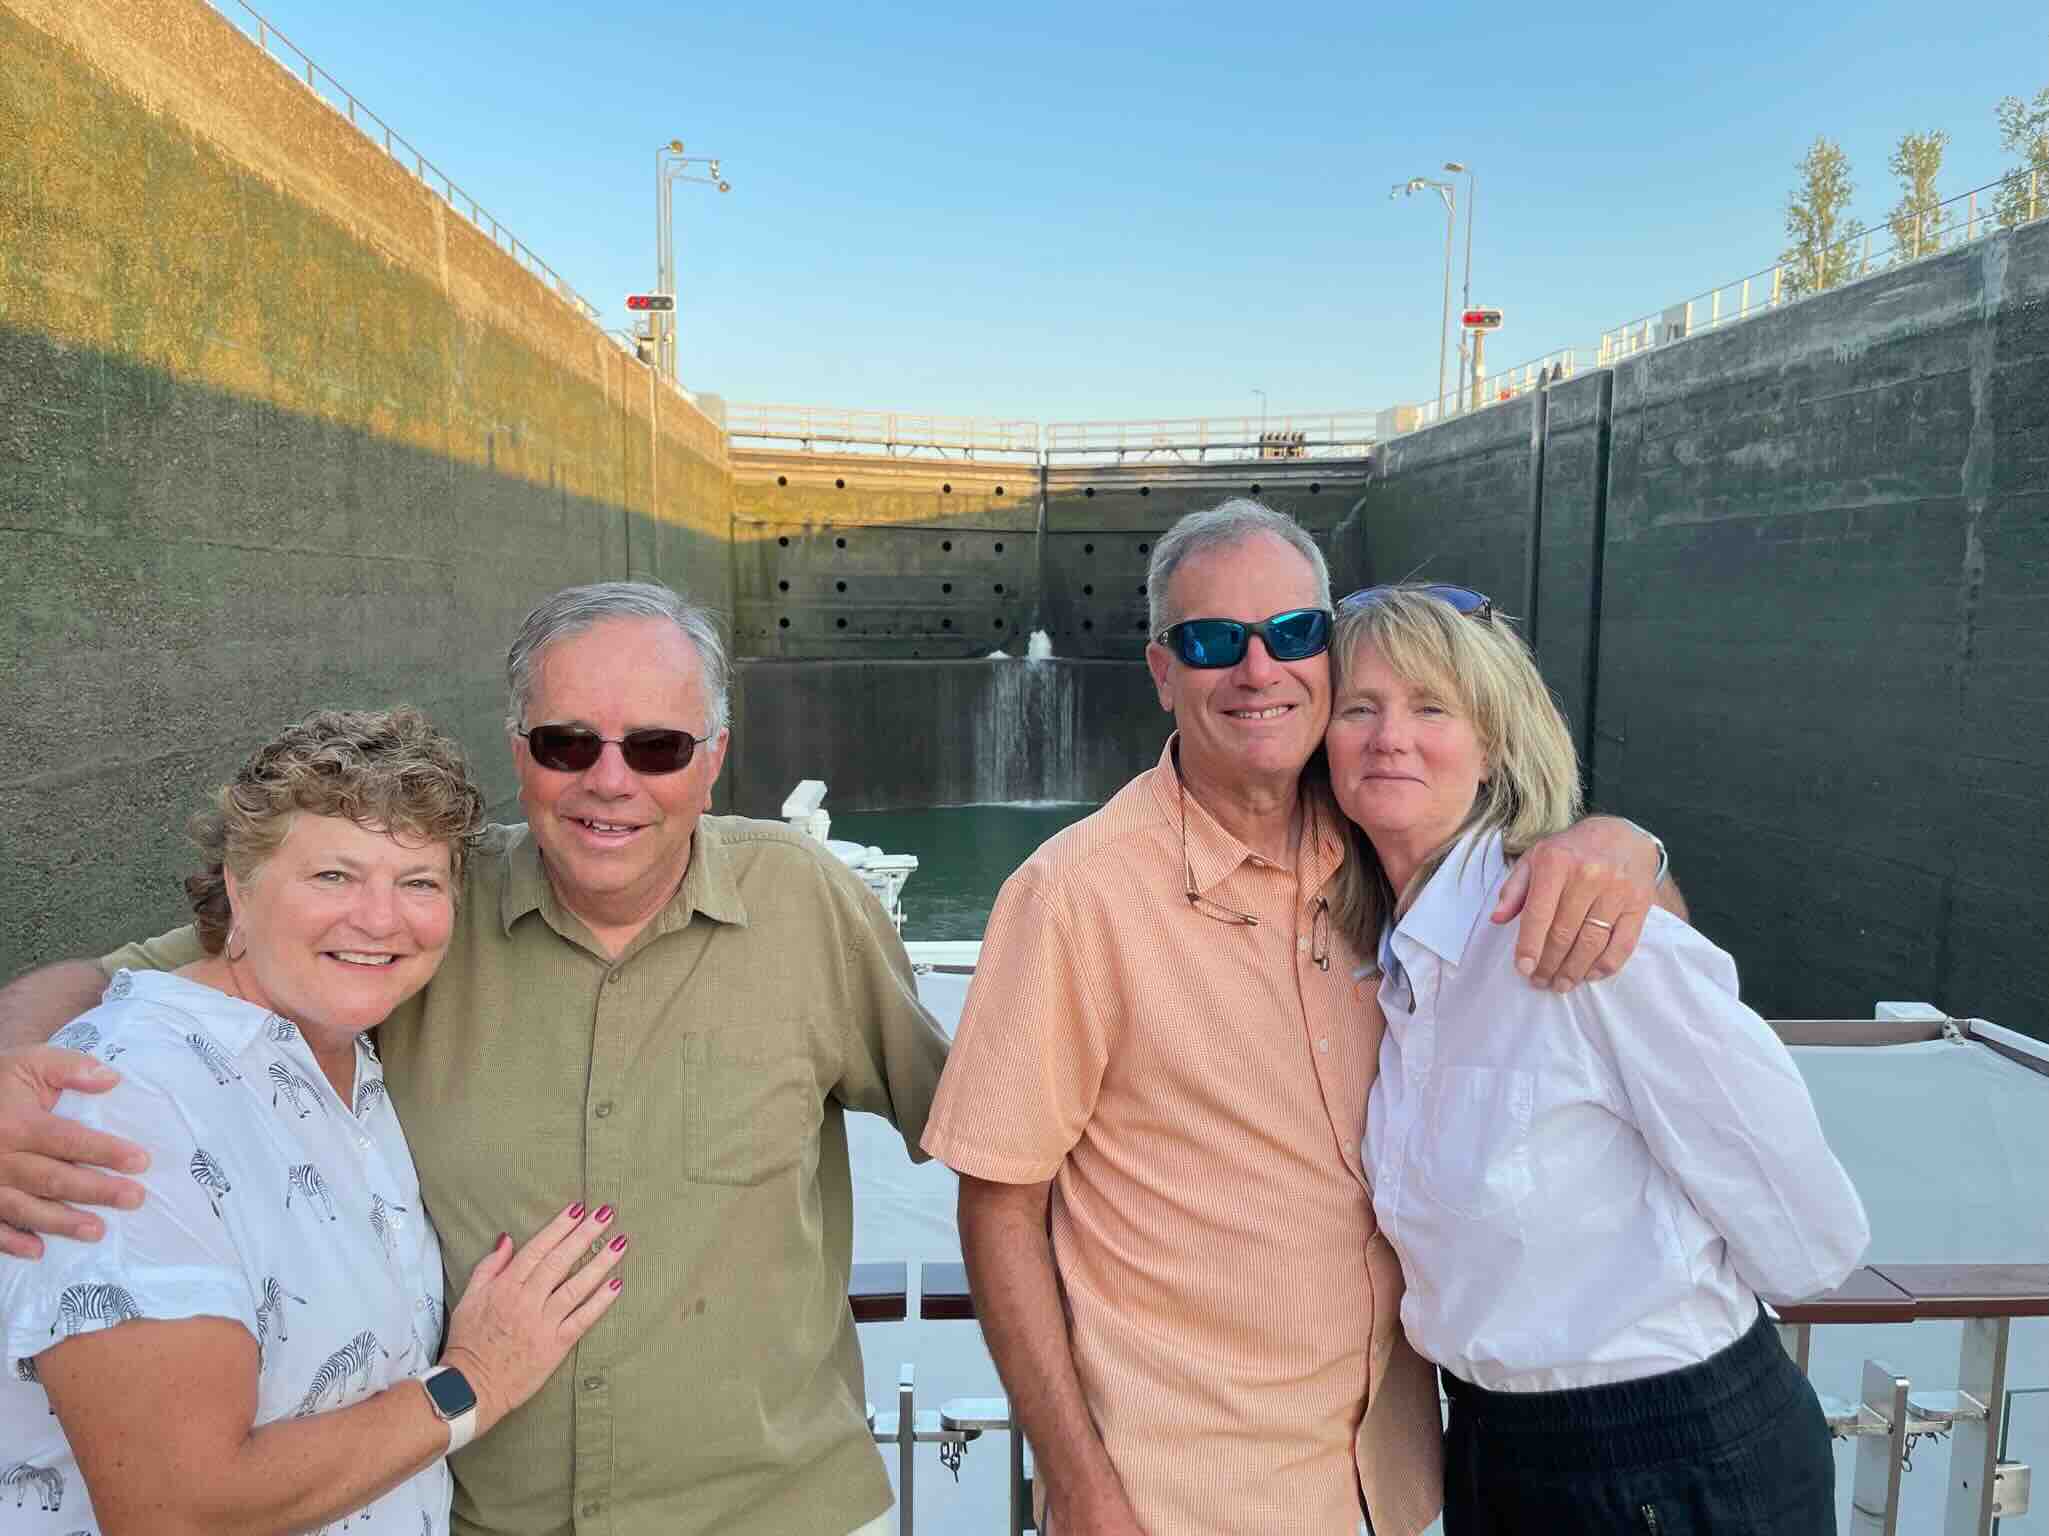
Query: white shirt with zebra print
270, 1202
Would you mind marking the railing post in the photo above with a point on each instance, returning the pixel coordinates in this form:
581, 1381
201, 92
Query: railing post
1777, 284
906, 1448
1875, 1492
1974, 1442
1744, 312
1864, 264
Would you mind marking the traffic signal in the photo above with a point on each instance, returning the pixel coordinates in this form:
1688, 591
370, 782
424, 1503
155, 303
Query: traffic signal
658, 301
1480, 319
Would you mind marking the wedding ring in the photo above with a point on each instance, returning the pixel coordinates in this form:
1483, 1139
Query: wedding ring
1595, 922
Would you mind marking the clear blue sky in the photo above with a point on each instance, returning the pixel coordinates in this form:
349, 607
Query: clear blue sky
1070, 212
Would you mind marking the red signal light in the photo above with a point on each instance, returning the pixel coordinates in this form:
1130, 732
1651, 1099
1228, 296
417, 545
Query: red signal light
1480, 319
657, 301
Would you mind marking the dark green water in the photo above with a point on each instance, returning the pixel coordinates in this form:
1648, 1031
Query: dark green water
965, 853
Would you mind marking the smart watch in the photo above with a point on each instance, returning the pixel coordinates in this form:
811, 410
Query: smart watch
455, 1403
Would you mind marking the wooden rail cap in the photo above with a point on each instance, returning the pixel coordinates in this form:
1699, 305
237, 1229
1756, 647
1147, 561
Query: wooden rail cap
1904, 1293
943, 1293
879, 1293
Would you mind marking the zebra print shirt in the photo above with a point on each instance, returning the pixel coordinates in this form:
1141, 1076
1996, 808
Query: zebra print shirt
272, 1201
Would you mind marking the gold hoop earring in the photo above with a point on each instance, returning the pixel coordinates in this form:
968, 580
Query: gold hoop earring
228, 949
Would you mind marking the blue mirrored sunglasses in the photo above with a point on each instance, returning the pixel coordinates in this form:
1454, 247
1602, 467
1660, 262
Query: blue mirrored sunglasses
1477, 605
1209, 644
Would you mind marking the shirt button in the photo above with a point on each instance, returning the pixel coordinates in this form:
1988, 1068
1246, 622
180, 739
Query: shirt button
1323, 1045
611, 976
603, 1109
363, 1142
592, 1383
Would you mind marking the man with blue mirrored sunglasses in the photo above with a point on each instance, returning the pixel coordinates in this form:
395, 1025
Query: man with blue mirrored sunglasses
1156, 1096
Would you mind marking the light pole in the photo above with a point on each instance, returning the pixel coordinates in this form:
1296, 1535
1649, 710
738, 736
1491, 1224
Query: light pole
1449, 193
1262, 420
1465, 352
671, 166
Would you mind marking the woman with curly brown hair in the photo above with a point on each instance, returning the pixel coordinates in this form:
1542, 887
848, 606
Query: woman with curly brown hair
259, 1345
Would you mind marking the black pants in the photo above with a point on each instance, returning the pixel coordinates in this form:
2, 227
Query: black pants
1734, 1444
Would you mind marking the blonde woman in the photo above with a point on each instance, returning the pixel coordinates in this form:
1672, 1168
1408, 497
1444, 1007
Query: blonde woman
259, 1346
1589, 1192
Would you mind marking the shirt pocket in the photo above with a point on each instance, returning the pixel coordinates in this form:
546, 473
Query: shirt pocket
1472, 1146
751, 1103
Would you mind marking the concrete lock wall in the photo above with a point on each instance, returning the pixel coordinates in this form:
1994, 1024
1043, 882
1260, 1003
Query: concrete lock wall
1790, 580
278, 429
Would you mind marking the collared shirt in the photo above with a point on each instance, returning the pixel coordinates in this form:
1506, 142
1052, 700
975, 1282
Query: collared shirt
1193, 1088
698, 1083
269, 1201
1591, 1187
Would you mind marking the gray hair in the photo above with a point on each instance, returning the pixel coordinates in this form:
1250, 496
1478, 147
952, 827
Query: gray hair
1220, 527
575, 609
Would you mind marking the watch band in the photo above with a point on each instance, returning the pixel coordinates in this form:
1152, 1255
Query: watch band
462, 1425
1657, 842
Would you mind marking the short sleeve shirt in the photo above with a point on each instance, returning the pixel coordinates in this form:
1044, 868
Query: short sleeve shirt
1194, 1087
269, 1201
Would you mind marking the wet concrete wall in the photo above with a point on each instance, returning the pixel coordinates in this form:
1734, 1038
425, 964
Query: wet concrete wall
1791, 580
889, 734
278, 429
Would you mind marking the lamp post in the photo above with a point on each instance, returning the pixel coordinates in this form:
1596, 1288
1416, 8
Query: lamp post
1449, 193
1262, 420
671, 166
1465, 350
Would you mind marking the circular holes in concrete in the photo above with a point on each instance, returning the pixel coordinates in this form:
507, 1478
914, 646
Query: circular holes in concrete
999, 546
946, 545
1086, 591
1088, 549
839, 485
999, 589
1145, 549
1145, 490
782, 586
1088, 624
1090, 492
839, 543
839, 586
784, 541
946, 623
782, 623
999, 490
1255, 487
999, 623
782, 479
1315, 486
841, 623
946, 586
946, 488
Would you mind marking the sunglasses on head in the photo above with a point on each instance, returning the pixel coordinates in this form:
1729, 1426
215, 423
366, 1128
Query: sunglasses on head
1208, 644
1475, 605
571, 749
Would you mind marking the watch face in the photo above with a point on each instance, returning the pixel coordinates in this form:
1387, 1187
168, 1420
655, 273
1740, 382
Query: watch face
451, 1393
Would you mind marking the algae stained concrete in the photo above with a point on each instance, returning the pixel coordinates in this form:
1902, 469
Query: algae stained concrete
1791, 581
277, 429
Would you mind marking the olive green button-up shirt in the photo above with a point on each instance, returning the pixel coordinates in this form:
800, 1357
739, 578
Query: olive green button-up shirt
698, 1083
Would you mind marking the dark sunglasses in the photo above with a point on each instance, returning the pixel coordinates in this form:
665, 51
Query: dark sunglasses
1476, 605
570, 749
1209, 644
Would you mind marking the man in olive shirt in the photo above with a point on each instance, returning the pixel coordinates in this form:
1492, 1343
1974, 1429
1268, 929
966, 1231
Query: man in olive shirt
669, 1012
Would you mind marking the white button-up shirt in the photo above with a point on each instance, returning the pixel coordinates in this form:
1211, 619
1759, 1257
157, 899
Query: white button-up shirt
268, 1201
1591, 1187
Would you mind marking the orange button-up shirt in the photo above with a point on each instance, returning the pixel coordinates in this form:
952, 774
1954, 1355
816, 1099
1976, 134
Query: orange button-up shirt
1195, 1089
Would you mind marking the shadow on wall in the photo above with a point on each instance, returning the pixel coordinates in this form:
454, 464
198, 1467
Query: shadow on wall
183, 570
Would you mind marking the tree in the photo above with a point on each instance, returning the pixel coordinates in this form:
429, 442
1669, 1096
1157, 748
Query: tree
1918, 218
2024, 131
1819, 256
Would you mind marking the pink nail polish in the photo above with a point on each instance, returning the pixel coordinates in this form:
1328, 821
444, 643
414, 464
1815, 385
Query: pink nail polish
604, 1214
618, 1244
575, 1211
615, 1282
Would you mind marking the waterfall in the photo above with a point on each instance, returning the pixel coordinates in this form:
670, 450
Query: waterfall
1025, 730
